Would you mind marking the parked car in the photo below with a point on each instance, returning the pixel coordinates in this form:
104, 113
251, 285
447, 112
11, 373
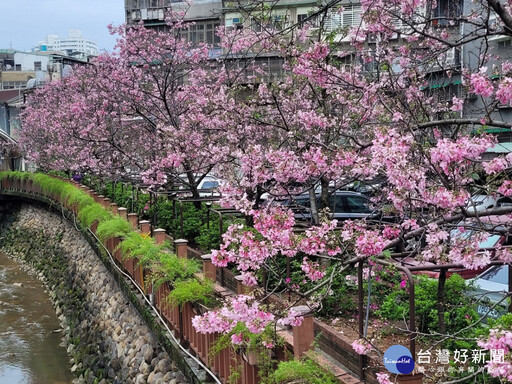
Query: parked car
343, 205
480, 203
207, 187
489, 244
368, 187
491, 287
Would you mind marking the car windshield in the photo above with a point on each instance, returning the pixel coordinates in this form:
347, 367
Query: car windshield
490, 242
210, 185
496, 275
358, 204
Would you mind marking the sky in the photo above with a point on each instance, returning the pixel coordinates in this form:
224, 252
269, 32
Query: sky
24, 23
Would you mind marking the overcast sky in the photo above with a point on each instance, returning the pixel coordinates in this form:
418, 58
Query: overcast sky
26, 22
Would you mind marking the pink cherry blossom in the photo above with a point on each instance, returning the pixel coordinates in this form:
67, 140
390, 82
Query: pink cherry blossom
361, 346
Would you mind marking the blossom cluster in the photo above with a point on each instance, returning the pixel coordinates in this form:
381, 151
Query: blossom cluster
240, 309
499, 340
361, 346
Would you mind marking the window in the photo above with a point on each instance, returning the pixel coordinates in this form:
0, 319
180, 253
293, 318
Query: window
444, 11
37, 65
210, 185
256, 25
498, 274
279, 22
13, 85
357, 204
18, 67
337, 204
504, 44
348, 16
201, 31
301, 17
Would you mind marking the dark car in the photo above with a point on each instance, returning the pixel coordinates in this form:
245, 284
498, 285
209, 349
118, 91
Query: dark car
343, 205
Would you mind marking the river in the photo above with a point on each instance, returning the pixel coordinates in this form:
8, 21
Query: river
29, 331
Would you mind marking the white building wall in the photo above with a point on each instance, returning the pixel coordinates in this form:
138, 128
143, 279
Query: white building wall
75, 42
28, 60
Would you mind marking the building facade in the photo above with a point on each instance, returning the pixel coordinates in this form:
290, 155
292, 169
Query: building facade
73, 45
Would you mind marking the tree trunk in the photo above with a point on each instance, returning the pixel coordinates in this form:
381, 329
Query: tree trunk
324, 197
441, 301
314, 208
192, 183
249, 220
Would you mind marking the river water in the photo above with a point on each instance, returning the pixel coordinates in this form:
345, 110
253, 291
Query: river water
29, 331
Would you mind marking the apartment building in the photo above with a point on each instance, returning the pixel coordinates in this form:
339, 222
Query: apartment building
335, 24
73, 45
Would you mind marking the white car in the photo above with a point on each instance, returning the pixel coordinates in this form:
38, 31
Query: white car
480, 203
491, 287
207, 187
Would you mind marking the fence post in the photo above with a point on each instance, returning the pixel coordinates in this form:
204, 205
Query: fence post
303, 335
113, 208
181, 248
241, 288
123, 212
106, 203
159, 235
145, 227
133, 218
209, 270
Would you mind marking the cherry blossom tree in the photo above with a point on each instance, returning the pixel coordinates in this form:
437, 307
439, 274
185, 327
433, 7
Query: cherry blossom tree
150, 107
368, 110
383, 100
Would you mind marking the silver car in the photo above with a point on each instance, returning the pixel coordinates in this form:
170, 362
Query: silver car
491, 287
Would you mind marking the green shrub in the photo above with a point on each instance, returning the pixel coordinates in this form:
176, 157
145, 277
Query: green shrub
175, 268
459, 307
141, 246
115, 227
82, 199
192, 290
93, 212
304, 371
50, 185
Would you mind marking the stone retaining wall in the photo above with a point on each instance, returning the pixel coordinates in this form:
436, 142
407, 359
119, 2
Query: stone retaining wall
107, 340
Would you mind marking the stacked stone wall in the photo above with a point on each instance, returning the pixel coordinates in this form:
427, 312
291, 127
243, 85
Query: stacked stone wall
106, 338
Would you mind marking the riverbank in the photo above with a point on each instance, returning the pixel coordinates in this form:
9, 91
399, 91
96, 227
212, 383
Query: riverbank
30, 332
106, 339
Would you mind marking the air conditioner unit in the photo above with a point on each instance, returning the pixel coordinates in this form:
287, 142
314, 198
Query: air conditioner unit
470, 96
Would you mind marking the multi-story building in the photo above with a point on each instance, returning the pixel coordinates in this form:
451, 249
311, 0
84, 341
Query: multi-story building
73, 45
334, 23
20, 72
18, 68
206, 15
